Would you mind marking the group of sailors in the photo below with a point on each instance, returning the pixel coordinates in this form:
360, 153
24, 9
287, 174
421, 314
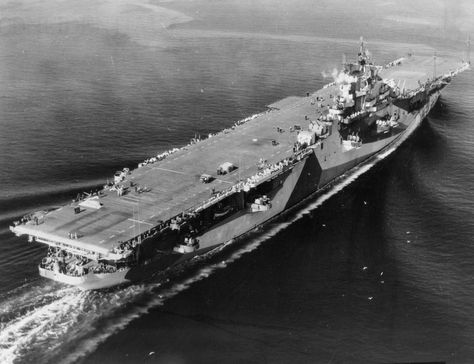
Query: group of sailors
73, 235
270, 169
262, 164
396, 62
104, 268
35, 218
122, 190
338, 105
297, 146
161, 156
429, 85
354, 137
60, 261
243, 121
217, 195
191, 241
24, 219
262, 203
126, 248
176, 222
356, 114
237, 123
329, 84
319, 100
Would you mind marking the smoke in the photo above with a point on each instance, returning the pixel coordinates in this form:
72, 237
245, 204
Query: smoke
343, 77
328, 74
339, 77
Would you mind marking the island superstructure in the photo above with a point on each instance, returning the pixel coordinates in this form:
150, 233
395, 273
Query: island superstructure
192, 200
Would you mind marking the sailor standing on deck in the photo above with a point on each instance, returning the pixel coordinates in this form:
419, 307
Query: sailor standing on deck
56, 266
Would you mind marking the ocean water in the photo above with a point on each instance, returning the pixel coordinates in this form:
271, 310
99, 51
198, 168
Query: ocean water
377, 270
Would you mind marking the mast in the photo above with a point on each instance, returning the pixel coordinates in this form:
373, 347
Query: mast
361, 47
362, 53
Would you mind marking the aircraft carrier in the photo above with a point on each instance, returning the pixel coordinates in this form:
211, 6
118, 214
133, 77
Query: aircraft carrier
192, 200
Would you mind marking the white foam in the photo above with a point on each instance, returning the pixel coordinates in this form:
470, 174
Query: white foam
36, 325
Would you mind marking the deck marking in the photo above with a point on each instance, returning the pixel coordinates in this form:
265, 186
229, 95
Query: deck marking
140, 222
130, 198
221, 180
170, 170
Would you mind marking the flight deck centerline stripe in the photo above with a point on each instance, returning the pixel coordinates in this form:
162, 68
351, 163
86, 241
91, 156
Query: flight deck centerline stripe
170, 170
221, 180
140, 222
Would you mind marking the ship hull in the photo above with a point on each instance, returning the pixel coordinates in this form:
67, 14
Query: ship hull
89, 281
173, 208
304, 181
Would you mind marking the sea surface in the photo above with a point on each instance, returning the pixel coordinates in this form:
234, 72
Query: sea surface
377, 270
